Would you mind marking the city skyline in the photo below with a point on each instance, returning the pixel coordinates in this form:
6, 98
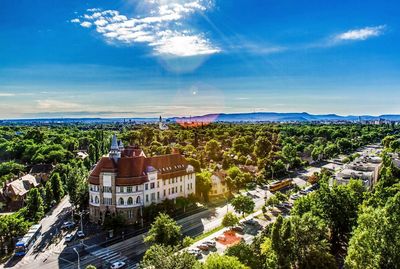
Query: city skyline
178, 58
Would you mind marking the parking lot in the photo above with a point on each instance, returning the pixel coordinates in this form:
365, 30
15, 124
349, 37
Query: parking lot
247, 229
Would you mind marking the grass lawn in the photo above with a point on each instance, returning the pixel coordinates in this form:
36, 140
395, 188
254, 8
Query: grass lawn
204, 235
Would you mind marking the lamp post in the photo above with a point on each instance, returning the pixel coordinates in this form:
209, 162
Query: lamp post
79, 262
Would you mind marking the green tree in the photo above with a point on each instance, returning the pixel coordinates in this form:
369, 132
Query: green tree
230, 220
272, 201
77, 185
310, 249
34, 205
213, 149
234, 178
167, 257
49, 198
57, 187
344, 145
243, 204
262, 147
244, 253
376, 240
164, 231
187, 241
203, 184
290, 154
12, 226
195, 163
216, 261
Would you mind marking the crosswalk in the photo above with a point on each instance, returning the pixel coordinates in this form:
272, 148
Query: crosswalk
110, 256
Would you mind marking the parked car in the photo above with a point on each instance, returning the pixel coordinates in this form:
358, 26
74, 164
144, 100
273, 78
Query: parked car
250, 222
68, 225
196, 253
80, 234
287, 205
117, 265
281, 207
294, 196
203, 247
211, 244
238, 229
69, 237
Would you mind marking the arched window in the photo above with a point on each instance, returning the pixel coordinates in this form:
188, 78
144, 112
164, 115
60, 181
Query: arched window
96, 200
138, 200
130, 201
121, 201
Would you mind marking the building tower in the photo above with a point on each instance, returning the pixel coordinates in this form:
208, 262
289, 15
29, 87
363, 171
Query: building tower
115, 152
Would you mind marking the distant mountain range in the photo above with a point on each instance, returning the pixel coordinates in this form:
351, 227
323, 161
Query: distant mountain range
222, 117
281, 117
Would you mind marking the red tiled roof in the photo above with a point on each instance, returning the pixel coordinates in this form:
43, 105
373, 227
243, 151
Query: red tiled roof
132, 169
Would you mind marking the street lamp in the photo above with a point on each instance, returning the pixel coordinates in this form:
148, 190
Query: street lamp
77, 253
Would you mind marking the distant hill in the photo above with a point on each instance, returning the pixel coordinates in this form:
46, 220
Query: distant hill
280, 117
222, 117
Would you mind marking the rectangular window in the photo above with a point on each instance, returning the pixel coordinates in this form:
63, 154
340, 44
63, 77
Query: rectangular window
153, 197
152, 186
146, 187
147, 197
181, 179
107, 201
173, 190
181, 188
137, 188
169, 191
158, 195
188, 186
129, 189
107, 189
176, 189
165, 193
158, 184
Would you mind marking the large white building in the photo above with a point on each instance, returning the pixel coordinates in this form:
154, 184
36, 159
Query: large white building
126, 180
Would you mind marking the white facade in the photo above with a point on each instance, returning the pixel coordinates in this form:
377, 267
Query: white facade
154, 191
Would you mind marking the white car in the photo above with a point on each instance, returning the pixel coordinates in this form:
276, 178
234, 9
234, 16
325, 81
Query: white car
80, 234
69, 237
117, 265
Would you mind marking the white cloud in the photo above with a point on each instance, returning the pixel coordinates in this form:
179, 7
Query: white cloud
56, 105
75, 20
163, 27
101, 22
86, 24
361, 34
175, 43
6, 94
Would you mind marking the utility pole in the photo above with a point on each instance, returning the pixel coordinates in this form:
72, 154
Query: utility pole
79, 262
81, 221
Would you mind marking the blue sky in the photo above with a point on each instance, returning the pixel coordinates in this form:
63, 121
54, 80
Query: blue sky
136, 58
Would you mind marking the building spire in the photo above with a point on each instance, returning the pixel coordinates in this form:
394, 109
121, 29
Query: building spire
115, 152
114, 142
